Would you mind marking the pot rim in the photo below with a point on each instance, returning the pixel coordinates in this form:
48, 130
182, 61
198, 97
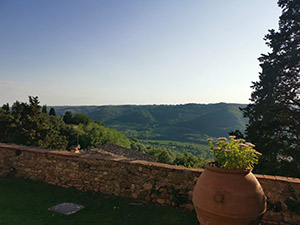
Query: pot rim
209, 166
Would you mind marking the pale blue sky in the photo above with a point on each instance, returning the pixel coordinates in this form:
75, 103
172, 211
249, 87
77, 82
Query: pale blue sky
108, 52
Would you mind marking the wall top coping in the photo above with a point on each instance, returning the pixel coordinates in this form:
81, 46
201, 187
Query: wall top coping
95, 157
132, 161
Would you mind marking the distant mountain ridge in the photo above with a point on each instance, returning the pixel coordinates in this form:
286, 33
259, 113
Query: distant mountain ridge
187, 122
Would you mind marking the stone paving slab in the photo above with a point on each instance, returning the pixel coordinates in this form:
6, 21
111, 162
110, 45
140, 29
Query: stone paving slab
66, 208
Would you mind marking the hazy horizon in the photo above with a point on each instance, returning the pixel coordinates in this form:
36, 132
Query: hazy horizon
72, 52
150, 104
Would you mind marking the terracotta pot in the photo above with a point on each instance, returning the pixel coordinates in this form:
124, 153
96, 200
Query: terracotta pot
228, 197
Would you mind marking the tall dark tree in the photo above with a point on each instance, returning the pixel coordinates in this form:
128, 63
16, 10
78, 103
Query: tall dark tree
6, 122
6, 107
274, 114
44, 109
81, 118
52, 112
27, 121
68, 117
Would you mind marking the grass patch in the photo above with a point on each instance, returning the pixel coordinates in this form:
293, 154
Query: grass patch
26, 202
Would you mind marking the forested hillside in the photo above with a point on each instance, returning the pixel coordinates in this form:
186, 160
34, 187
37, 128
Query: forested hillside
174, 134
184, 123
31, 124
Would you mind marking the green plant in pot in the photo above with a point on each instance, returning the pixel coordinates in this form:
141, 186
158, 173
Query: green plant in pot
227, 192
234, 154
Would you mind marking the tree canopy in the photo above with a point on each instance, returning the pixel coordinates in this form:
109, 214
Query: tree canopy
274, 114
76, 119
29, 124
52, 112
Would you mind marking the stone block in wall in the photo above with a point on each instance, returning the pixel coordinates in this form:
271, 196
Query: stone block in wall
147, 186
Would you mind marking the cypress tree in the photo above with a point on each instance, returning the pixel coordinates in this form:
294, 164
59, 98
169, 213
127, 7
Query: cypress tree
52, 112
68, 117
6, 107
44, 109
274, 114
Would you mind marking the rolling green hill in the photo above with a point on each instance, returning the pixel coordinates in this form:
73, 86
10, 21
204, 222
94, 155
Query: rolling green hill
184, 123
135, 117
217, 123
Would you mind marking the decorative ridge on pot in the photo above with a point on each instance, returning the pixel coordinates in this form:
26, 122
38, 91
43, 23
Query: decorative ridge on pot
209, 166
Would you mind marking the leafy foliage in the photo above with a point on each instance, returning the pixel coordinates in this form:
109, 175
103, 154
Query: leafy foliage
52, 112
68, 117
189, 160
78, 118
94, 134
6, 107
162, 154
137, 145
196, 149
29, 124
235, 154
6, 125
44, 109
274, 114
168, 156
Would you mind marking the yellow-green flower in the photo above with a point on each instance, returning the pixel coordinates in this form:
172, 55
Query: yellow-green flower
234, 154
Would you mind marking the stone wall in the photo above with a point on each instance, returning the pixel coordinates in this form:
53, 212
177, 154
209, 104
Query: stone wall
144, 181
